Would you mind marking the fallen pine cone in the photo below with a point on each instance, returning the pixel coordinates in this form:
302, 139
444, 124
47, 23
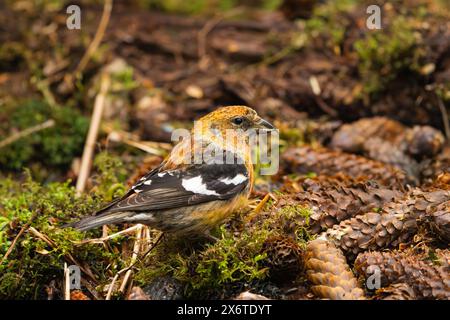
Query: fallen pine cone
323, 161
389, 153
427, 281
433, 168
351, 137
335, 203
417, 142
398, 291
390, 142
284, 258
164, 288
396, 223
439, 221
329, 273
422, 142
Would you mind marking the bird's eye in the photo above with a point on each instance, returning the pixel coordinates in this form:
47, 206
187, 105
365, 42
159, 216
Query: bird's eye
238, 121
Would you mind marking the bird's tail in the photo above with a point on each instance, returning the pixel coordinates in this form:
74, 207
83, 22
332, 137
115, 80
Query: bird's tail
102, 219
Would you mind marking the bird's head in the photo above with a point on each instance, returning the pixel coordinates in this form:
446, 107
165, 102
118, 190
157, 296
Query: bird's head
229, 128
233, 118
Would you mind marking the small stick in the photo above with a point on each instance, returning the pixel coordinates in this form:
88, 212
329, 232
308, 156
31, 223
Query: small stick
152, 147
88, 151
445, 119
108, 295
201, 36
315, 88
91, 289
143, 146
136, 248
112, 236
207, 28
258, 208
47, 124
107, 8
13, 244
152, 246
68, 256
66, 283
147, 237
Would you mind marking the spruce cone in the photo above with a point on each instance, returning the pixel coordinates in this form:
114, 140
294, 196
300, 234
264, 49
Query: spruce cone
333, 203
351, 137
387, 152
327, 162
418, 142
423, 142
440, 221
284, 258
323, 183
442, 182
426, 280
431, 169
396, 223
329, 272
398, 291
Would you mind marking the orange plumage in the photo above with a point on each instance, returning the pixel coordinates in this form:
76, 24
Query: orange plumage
191, 191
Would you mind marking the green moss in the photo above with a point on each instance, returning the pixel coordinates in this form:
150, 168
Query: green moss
234, 261
204, 6
213, 269
384, 54
231, 260
330, 23
123, 79
292, 136
110, 182
55, 146
443, 91
294, 221
33, 263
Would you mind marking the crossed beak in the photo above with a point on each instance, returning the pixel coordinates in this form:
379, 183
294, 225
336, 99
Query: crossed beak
263, 124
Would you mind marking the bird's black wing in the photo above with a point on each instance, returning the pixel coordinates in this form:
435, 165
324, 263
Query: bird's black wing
130, 192
177, 188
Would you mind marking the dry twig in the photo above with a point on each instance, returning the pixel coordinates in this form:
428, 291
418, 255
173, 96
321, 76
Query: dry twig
13, 244
134, 260
136, 249
107, 8
112, 236
445, 118
47, 124
68, 257
66, 282
88, 151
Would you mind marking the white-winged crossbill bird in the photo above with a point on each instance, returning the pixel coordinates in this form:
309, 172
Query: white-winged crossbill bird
192, 190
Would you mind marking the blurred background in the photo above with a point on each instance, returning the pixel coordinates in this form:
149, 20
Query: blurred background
172, 61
